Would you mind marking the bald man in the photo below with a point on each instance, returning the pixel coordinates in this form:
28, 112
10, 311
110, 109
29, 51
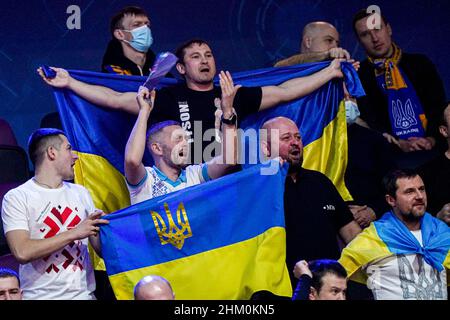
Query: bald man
315, 213
320, 41
153, 288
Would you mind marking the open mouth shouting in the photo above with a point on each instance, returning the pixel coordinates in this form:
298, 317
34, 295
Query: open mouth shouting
205, 69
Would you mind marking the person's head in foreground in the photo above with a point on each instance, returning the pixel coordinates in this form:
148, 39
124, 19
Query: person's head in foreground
9, 285
153, 288
329, 280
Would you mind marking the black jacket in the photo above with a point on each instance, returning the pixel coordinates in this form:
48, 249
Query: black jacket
114, 61
426, 81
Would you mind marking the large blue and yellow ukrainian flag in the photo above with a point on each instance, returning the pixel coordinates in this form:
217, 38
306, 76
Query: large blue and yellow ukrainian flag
224, 239
388, 236
320, 117
99, 135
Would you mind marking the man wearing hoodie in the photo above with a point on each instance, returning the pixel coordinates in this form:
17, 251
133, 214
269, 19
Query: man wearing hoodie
128, 52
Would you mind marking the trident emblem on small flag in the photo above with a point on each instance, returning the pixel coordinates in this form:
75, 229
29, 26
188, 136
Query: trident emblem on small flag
176, 233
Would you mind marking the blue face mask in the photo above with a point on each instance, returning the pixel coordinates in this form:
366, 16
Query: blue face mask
142, 38
351, 111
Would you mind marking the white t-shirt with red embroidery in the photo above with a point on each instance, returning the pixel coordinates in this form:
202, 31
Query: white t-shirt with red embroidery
66, 274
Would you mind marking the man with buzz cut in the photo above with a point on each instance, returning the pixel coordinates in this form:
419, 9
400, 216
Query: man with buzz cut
48, 223
167, 143
320, 42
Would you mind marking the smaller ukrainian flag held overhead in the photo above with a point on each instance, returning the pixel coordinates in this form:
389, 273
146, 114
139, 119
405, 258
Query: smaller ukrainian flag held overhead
224, 239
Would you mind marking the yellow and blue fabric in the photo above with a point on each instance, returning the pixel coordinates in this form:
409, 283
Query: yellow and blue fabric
117, 70
405, 109
218, 243
99, 135
389, 236
320, 117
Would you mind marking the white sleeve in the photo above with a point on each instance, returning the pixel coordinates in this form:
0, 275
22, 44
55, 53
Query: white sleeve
198, 173
14, 212
143, 188
88, 200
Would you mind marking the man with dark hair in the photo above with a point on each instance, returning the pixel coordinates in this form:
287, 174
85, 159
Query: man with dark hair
436, 175
194, 103
405, 254
47, 222
9, 285
167, 143
315, 213
153, 288
128, 51
320, 280
404, 93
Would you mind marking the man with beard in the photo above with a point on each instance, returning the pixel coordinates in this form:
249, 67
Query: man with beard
167, 143
405, 254
194, 103
315, 213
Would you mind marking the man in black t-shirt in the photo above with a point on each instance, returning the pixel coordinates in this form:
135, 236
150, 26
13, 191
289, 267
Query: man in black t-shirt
195, 99
315, 213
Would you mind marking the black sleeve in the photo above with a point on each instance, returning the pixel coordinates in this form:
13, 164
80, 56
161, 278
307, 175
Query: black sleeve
385, 164
343, 215
161, 111
247, 101
434, 99
373, 105
303, 287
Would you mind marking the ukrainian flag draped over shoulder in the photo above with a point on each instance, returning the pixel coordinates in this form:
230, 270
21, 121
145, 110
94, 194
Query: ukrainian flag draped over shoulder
389, 236
220, 240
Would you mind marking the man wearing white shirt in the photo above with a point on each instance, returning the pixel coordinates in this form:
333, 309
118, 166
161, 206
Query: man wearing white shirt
48, 221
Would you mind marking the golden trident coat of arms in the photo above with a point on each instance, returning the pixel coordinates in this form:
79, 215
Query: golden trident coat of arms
175, 234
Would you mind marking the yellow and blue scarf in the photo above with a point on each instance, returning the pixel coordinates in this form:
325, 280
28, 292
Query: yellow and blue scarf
405, 109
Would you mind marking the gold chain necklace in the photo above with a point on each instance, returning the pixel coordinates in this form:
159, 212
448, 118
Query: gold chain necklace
46, 185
